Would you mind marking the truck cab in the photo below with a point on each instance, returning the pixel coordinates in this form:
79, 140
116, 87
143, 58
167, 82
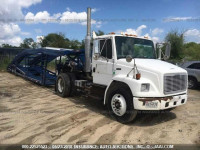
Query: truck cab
131, 63
125, 72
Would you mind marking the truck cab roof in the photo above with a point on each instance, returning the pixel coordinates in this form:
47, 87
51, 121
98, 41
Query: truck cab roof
123, 35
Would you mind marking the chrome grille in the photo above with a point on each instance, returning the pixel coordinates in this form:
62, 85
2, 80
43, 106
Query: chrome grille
174, 83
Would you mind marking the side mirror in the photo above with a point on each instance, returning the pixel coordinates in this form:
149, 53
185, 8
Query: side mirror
96, 56
167, 51
158, 46
129, 58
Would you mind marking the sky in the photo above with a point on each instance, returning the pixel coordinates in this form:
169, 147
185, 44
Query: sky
153, 18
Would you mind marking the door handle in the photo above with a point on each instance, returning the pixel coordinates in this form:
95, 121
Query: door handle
94, 69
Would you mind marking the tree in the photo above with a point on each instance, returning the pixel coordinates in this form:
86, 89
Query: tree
75, 44
59, 41
82, 44
55, 40
192, 51
177, 41
99, 33
8, 46
28, 43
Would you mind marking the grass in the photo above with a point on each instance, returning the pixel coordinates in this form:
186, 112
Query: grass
4, 62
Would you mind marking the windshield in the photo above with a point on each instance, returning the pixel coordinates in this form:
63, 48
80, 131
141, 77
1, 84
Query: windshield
137, 48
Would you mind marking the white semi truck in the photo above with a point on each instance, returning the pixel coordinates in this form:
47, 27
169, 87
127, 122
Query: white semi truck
125, 72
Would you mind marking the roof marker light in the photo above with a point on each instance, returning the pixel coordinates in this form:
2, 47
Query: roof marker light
112, 33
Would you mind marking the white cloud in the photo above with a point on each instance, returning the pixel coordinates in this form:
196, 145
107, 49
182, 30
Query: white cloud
10, 34
192, 32
93, 10
157, 31
26, 3
8, 30
139, 32
41, 17
155, 39
73, 17
175, 19
93, 22
139, 29
14, 41
66, 17
25, 33
39, 39
11, 10
38, 30
192, 35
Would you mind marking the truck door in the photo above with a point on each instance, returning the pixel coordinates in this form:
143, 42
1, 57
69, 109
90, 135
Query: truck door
102, 61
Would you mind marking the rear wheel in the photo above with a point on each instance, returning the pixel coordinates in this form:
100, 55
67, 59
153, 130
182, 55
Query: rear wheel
65, 84
192, 83
120, 103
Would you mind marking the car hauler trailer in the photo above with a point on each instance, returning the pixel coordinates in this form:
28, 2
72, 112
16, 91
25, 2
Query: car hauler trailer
32, 64
122, 70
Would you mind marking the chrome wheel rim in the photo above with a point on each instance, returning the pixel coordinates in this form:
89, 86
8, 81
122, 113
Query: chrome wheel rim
60, 85
118, 104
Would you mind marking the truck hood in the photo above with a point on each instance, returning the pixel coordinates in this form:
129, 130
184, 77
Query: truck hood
153, 65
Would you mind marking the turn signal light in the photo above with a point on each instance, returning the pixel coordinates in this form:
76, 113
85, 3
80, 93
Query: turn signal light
138, 76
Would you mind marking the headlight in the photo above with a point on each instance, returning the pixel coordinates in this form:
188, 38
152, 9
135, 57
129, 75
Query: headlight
145, 87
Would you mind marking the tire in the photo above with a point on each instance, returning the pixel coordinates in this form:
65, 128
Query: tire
120, 103
65, 84
192, 83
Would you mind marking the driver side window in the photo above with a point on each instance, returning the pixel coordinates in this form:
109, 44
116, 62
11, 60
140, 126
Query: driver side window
106, 48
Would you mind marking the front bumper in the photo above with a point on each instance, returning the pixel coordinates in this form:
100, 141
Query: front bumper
161, 102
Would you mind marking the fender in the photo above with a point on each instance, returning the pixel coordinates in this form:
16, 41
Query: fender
134, 85
119, 78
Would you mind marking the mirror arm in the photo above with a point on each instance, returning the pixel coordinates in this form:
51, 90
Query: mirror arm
130, 72
159, 54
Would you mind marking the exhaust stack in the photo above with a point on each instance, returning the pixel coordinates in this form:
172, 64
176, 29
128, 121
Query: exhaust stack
87, 68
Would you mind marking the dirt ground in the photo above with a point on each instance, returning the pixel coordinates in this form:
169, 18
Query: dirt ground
32, 114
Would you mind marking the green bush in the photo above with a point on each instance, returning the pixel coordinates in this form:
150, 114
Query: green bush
4, 62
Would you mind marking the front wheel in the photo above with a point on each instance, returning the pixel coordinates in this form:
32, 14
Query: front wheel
120, 103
